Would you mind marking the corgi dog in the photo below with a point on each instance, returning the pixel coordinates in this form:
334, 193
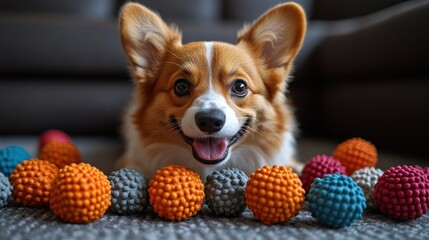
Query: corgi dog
210, 105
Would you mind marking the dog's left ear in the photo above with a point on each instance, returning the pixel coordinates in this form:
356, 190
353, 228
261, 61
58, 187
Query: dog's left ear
277, 35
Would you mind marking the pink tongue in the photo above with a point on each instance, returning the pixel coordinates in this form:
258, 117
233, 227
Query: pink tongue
210, 148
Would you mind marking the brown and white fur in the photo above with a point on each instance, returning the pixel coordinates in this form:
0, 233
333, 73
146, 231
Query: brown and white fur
246, 121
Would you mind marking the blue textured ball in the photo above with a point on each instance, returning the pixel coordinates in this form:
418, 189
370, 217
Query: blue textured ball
5, 190
224, 190
129, 191
10, 157
336, 200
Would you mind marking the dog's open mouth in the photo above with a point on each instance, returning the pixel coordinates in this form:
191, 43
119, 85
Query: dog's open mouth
210, 150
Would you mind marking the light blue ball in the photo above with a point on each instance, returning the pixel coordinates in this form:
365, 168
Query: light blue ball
10, 157
129, 192
336, 200
5, 191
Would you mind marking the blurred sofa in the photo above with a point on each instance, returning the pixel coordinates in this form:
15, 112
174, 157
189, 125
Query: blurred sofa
362, 70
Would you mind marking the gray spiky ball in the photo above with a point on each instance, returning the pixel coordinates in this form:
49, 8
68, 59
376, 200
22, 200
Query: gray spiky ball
5, 190
366, 178
224, 190
129, 191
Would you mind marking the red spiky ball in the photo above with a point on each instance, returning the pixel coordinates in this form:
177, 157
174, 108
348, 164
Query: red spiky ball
318, 166
402, 192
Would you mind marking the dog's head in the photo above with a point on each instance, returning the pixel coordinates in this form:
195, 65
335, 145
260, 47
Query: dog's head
210, 97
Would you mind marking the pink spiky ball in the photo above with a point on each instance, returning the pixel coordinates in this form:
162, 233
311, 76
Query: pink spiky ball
317, 167
53, 135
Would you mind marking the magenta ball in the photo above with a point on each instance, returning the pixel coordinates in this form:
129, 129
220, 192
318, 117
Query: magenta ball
402, 192
53, 135
317, 167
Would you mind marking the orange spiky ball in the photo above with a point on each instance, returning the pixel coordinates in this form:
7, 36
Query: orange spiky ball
356, 153
31, 181
274, 195
80, 193
176, 193
60, 153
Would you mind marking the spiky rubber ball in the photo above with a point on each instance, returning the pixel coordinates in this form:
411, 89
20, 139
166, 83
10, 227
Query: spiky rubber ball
80, 193
402, 193
60, 153
336, 200
129, 191
31, 181
356, 153
176, 193
274, 194
318, 166
224, 190
424, 169
53, 135
366, 178
10, 157
5, 191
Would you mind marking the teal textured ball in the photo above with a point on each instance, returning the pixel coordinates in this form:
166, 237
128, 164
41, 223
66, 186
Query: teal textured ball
129, 191
336, 200
5, 191
10, 157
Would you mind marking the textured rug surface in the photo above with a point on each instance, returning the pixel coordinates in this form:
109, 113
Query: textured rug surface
29, 223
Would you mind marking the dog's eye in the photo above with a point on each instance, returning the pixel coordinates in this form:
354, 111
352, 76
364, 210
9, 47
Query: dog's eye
239, 88
182, 87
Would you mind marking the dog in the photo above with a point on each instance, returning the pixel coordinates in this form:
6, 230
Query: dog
210, 105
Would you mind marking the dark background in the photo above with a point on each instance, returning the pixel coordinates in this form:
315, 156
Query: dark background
363, 70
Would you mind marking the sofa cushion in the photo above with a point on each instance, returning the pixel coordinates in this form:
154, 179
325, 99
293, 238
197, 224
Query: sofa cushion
88, 8
195, 10
78, 106
250, 10
389, 43
38, 45
340, 9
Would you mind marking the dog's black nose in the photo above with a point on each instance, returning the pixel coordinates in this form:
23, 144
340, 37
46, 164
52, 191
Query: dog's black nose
210, 121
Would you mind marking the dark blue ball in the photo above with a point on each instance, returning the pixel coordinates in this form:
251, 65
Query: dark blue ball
336, 200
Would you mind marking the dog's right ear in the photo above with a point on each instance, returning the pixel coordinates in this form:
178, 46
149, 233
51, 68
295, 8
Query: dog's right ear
145, 38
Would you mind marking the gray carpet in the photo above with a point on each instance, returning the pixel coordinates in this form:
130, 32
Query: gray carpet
27, 223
